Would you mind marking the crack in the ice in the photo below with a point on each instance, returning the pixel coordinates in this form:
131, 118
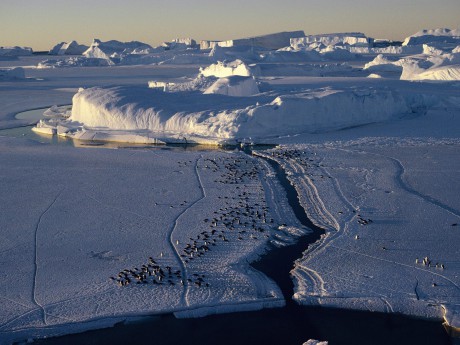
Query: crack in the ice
184, 297
34, 286
408, 188
404, 185
416, 292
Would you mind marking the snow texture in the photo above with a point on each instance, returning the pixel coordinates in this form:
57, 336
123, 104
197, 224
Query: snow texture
384, 186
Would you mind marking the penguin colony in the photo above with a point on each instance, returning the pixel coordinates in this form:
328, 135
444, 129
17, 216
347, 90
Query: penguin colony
243, 217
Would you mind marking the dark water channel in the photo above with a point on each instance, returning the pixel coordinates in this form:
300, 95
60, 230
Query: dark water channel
292, 324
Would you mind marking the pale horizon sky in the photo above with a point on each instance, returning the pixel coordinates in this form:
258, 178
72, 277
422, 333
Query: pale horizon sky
41, 24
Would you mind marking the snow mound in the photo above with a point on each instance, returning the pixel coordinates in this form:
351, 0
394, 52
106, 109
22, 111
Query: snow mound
12, 73
71, 48
227, 69
235, 86
15, 51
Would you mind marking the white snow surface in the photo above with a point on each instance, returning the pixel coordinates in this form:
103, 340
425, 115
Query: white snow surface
384, 187
364, 188
79, 227
235, 86
223, 69
207, 119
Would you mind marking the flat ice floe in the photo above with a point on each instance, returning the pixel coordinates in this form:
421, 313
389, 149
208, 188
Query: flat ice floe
391, 218
175, 231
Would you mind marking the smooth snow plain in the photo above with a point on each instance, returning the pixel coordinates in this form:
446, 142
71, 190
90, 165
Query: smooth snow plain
375, 161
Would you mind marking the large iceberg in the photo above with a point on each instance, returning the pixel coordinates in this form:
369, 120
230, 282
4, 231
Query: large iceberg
271, 41
219, 119
71, 48
443, 36
341, 39
106, 50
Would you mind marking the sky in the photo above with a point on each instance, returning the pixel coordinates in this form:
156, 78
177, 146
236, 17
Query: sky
41, 24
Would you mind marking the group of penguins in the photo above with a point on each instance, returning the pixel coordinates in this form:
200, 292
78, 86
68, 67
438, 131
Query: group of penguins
240, 219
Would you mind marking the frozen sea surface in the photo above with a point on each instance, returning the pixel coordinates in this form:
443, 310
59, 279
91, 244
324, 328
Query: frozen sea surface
386, 193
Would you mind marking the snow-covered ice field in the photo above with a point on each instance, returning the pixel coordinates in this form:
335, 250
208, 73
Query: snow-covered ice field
90, 237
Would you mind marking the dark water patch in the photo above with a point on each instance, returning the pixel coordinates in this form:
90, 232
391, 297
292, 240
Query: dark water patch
286, 326
279, 261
